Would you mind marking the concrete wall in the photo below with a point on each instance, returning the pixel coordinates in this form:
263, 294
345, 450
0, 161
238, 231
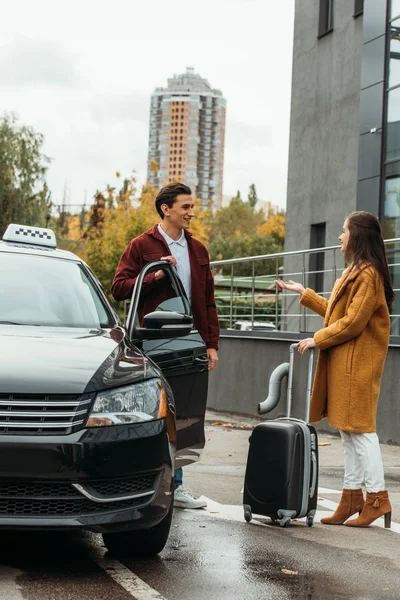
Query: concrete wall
246, 361
325, 123
324, 135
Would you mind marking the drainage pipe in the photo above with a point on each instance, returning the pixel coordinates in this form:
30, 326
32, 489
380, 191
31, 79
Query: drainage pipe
274, 391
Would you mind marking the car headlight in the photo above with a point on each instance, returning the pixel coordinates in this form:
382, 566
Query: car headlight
134, 403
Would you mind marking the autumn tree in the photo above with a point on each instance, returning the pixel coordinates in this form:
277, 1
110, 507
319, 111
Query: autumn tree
274, 226
237, 199
252, 196
236, 220
239, 231
24, 196
115, 217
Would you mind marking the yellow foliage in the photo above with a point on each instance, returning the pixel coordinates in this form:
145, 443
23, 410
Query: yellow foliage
199, 225
274, 225
114, 219
73, 225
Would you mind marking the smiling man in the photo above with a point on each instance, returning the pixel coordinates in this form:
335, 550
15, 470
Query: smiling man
170, 240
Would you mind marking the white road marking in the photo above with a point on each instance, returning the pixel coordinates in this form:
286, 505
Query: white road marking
126, 578
395, 527
8, 586
231, 512
140, 590
322, 490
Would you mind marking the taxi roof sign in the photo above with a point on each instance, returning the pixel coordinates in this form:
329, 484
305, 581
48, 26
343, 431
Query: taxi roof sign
26, 234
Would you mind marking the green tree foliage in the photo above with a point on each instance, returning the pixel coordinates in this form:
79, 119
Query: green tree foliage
223, 248
237, 199
114, 219
235, 220
252, 196
24, 196
239, 231
118, 215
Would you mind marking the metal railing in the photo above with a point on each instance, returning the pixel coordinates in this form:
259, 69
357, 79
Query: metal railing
247, 297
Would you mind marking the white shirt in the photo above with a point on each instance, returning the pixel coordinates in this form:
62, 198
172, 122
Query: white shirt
180, 251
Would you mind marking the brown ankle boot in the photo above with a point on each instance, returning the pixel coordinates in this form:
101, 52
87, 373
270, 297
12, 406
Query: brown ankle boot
351, 502
376, 505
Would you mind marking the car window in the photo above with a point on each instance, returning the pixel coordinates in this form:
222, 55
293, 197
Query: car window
40, 290
174, 304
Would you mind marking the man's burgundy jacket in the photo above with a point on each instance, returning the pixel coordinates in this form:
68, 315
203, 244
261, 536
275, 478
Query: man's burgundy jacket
151, 246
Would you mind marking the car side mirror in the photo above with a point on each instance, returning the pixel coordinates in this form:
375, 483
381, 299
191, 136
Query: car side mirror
161, 323
164, 324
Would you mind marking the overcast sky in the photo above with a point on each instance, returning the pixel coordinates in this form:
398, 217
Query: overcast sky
82, 73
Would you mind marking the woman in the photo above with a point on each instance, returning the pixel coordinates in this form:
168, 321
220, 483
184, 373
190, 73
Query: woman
353, 345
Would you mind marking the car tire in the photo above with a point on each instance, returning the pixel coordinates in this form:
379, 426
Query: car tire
141, 542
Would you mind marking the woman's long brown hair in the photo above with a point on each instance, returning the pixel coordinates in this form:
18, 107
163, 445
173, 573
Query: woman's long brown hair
366, 245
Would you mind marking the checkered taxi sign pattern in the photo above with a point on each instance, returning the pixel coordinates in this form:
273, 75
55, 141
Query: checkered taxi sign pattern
35, 233
28, 234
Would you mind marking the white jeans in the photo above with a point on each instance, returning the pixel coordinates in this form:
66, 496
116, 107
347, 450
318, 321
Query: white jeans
362, 461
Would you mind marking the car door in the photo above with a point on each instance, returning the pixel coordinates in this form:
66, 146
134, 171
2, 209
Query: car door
183, 361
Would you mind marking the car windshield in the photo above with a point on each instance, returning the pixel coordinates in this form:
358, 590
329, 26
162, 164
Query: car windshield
41, 290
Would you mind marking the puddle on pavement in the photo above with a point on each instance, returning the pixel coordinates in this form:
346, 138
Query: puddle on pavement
300, 585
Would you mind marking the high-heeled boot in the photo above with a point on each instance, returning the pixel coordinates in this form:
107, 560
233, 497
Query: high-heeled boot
351, 502
376, 505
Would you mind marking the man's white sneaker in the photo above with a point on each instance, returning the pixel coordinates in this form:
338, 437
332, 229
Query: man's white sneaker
184, 499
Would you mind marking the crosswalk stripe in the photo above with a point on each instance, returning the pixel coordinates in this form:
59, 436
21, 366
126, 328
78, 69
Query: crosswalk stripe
234, 512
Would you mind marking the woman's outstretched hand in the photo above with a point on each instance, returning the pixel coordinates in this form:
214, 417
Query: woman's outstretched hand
292, 286
305, 345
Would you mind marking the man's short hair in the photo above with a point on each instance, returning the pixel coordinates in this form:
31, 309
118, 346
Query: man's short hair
167, 195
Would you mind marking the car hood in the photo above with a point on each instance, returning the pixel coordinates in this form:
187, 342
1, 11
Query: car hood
46, 360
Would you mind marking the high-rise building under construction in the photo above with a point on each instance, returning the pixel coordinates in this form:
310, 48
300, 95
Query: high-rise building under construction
187, 135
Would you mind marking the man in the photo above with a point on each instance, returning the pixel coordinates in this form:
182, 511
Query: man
170, 240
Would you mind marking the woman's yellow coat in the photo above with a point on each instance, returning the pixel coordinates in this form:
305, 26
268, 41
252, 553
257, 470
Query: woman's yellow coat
353, 345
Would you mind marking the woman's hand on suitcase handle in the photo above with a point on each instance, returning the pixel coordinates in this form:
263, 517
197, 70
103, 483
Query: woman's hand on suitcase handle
305, 345
292, 286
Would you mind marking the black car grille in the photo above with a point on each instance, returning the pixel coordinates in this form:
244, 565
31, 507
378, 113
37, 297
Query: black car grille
43, 414
74, 507
61, 499
116, 487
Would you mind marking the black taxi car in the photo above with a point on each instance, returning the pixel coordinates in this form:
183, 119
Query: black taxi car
94, 415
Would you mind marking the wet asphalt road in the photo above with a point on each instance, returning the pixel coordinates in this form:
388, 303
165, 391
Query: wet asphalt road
210, 557
205, 558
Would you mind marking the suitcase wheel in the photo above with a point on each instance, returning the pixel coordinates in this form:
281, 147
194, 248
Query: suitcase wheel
310, 521
247, 513
283, 522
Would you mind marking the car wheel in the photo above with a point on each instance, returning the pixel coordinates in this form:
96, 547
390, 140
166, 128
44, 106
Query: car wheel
142, 542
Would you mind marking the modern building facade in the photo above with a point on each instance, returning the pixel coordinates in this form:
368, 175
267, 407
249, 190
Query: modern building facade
187, 136
344, 152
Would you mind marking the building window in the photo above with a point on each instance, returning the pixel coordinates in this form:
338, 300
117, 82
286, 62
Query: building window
317, 260
325, 17
358, 7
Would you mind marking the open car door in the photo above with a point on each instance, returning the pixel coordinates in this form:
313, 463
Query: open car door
183, 361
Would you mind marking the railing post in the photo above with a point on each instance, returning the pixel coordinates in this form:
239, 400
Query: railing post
303, 311
252, 294
286, 307
231, 307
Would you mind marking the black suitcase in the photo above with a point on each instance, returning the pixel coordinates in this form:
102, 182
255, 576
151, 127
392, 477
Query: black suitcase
281, 478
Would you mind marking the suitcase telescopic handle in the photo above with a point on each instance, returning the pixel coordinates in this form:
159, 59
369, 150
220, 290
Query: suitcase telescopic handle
292, 350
